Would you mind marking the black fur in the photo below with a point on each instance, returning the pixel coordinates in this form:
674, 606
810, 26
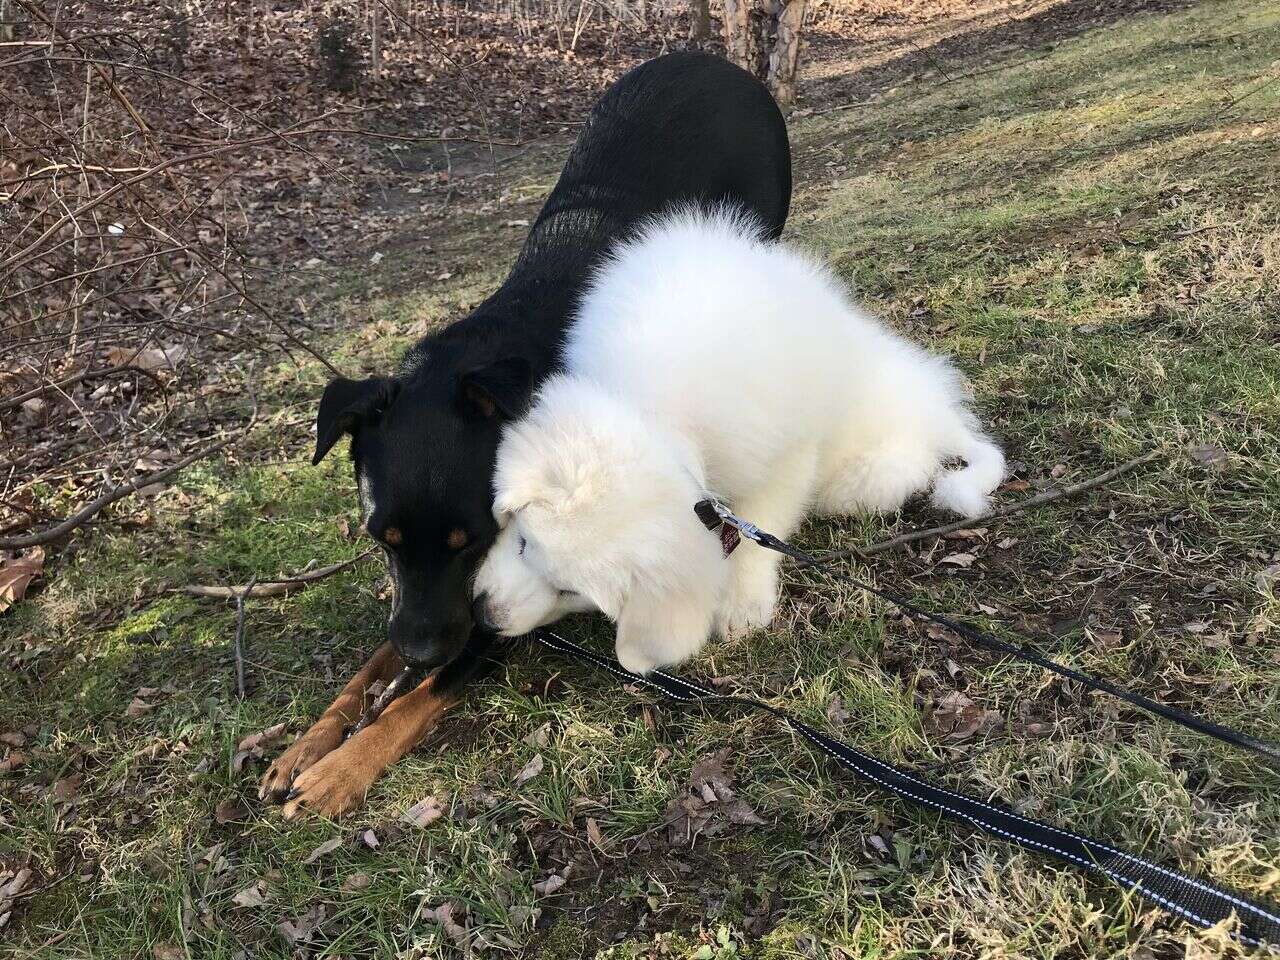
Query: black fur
686, 127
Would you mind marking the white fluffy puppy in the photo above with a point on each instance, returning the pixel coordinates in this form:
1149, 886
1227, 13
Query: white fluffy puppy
707, 361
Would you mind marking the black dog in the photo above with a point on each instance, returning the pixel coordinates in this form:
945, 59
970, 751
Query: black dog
682, 128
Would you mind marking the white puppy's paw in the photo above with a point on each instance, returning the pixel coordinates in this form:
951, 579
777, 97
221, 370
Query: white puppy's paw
750, 600
636, 658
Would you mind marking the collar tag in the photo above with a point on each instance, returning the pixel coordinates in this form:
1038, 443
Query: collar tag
714, 520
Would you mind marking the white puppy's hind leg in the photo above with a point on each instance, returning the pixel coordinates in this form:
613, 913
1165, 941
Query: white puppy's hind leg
752, 592
878, 479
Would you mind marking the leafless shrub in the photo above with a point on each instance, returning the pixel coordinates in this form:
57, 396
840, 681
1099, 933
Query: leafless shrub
122, 284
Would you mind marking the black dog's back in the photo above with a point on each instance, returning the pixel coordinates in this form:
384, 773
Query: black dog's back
687, 127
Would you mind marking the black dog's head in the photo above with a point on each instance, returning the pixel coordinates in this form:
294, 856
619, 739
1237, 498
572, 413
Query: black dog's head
423, 445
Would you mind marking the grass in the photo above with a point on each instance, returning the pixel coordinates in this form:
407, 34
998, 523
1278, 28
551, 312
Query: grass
1095, 236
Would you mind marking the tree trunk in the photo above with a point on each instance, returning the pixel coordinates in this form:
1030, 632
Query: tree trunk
744, 28
699, 19
763, 37
785, 57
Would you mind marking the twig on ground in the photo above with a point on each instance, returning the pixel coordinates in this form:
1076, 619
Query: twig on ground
841, 106
272, 588
405, 680
92, 509
239, 647
1040, 499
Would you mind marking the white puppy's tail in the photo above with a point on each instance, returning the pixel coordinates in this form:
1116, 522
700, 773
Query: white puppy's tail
966, 491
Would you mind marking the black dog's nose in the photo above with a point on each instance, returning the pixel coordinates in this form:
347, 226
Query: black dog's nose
480, 613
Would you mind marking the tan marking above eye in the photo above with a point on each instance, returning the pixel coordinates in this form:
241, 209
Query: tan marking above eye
392, 536
457, 539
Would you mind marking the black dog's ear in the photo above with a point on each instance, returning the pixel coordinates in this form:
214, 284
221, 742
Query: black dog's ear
499, 390
345, 405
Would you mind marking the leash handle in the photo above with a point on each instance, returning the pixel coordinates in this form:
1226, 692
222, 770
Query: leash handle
711, 512
1199, 902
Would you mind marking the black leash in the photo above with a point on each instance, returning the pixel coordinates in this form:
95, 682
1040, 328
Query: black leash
714, 514
1196, 901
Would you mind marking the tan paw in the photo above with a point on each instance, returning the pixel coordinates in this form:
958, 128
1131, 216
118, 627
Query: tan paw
314, 745
335, 785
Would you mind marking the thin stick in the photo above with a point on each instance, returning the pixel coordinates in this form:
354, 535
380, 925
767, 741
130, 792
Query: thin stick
272, 588
119, 493
239, 649
1039, 500
405, 680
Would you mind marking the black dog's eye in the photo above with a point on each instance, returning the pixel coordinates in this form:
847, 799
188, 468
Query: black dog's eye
523, 543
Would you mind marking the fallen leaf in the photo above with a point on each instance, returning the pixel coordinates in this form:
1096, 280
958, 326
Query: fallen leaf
255, 745
444, 915
740, 812
254, 895
956, 718
13, 738
370, 839
324, 849
168, 951
837, 713
1208, 455
230, 810
550, 885
12, 761
138, 707
65, 790
356, 882
16, 576
530, 770
709, 771
424, 813
594, 835
301, 929
963, 560
540, 737
1264, 580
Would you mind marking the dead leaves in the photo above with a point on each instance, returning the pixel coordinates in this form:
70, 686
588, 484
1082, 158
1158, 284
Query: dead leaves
424, 813
13, 883
254, 895
529, 770
1208, 455
708, 806
16, 575
159, 360
323, 850
955, 718
231, 810
301, 930
255, 745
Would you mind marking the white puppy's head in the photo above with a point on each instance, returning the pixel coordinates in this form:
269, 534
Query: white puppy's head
596, 510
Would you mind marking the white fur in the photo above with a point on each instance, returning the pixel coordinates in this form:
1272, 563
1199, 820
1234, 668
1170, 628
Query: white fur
707, 360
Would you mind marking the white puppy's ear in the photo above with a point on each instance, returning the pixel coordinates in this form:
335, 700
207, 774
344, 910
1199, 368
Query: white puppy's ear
660, 629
